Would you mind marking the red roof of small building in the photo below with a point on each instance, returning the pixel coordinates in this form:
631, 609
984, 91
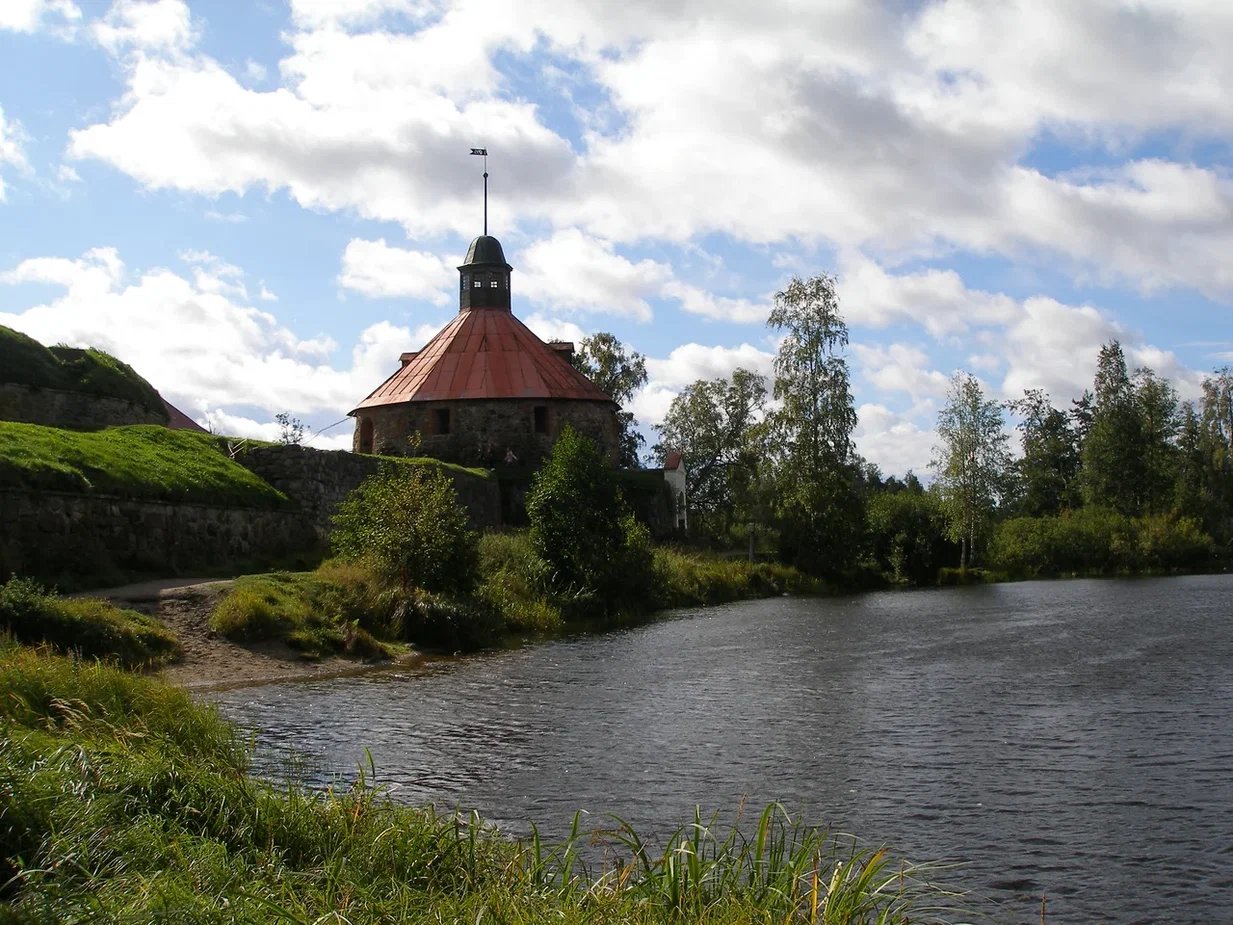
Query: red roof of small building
178, 420
673, 460
484, 353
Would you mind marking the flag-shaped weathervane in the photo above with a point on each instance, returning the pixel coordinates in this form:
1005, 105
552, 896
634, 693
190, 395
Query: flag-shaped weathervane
483, 152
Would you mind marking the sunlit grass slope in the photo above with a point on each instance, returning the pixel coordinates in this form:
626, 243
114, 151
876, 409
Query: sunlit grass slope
141, 461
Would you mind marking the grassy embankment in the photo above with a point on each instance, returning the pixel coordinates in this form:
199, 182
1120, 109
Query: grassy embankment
25, 361
343, 607
144, 462
121, 800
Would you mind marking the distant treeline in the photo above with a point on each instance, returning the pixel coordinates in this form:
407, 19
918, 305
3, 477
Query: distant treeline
1127, 479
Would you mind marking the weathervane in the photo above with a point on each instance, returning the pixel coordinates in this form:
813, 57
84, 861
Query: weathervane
484, 153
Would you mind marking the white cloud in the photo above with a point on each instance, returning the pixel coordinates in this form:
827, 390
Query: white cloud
265, 295
547, 328
690, 362
231, 218
196, 338
1094, 66
12, 147
222, 421
899, 368
376, 269
698, 301
31, 15
578, 272
317, 13
145, 26
937, 300
858, 126
892, 440
255, 71
667, 376
1054, 346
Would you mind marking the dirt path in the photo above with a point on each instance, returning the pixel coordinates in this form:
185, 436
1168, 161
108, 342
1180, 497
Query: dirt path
210, 661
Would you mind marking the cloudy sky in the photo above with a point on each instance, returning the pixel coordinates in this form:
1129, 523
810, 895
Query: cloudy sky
259, 204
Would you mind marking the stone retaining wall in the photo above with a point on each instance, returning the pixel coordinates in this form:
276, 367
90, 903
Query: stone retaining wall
70, 410
317, 480
51, 535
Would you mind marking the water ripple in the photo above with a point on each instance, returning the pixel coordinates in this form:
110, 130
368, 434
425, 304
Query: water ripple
1071, 741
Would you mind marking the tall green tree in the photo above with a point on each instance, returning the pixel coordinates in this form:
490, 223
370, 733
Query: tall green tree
620, 372
717, 425
1047, 473
1112, 451
820, 508
1205, 450
1130, 457
581, 527
1158, 411
971, 462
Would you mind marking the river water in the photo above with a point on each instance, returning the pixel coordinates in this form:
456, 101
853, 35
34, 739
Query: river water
1071, 740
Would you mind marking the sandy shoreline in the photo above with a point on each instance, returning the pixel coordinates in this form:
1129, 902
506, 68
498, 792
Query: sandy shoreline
211, 662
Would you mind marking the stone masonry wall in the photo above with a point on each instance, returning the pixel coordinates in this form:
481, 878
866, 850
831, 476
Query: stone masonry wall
49, 535
317, 480
70, 410
481, 431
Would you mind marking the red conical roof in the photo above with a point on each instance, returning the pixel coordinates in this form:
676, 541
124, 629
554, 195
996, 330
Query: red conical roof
481, 354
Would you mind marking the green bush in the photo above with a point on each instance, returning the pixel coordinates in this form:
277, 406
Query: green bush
1098, 541
907, 532
405, 523
575, 511
95, 629
1168, 542
597, 555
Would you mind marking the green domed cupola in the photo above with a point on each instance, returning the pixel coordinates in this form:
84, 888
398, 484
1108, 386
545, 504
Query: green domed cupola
484, 276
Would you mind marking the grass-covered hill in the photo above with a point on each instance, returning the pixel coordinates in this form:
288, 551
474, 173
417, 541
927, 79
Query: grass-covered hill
25, 361
143, 461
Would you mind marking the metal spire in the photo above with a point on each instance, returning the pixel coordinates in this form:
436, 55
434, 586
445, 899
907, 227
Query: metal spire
484, 152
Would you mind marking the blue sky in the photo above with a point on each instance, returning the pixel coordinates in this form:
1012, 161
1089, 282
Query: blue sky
261, 204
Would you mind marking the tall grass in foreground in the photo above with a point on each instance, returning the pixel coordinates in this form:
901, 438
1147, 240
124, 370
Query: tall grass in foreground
123, 801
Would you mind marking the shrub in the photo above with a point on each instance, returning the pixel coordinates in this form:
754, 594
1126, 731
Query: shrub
406, 524
908, 535
1096, 540
575, 511
594, 550
93, 628
1167, 542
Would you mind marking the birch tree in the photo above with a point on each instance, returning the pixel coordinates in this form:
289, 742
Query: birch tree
971, 462
821, 511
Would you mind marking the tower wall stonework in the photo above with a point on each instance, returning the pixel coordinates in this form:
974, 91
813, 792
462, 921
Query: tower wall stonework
481, 431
